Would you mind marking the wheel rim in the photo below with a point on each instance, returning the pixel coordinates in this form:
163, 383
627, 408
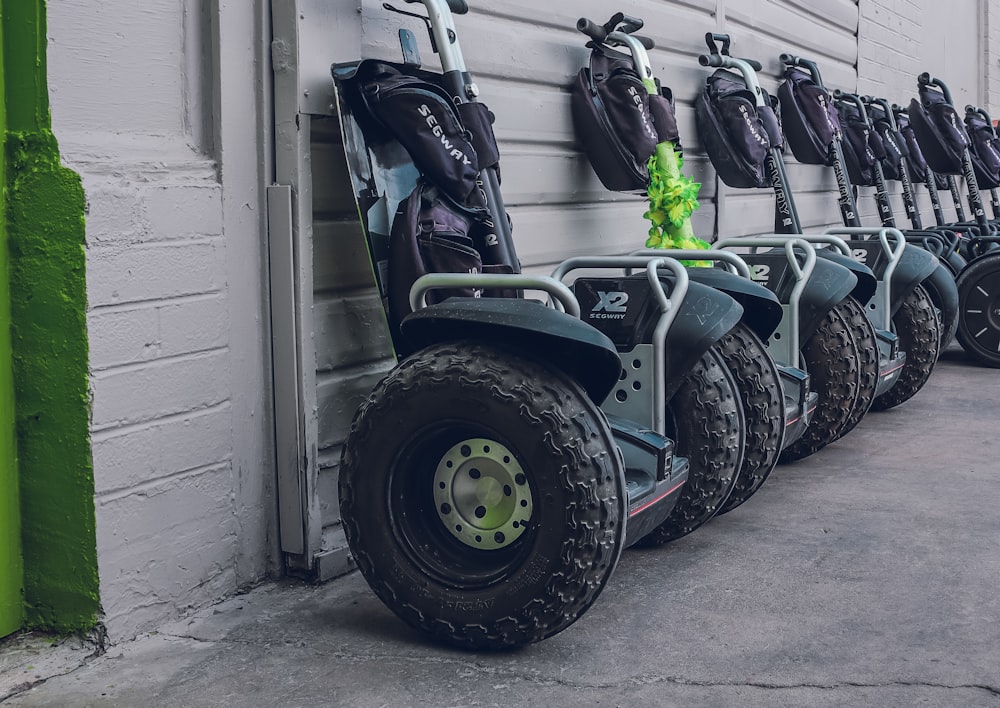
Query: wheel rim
982, 313
434, 496
482, 494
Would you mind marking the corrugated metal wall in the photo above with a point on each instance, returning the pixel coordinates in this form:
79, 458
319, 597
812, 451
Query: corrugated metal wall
524, 58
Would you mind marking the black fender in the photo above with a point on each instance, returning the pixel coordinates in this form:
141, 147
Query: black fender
761, 309
526, 327
943, 291
867, 282
828, 285
942, 243
703, 318
915, 266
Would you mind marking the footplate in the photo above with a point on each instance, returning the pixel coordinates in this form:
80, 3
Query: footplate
800, 402
890, 361
654, 476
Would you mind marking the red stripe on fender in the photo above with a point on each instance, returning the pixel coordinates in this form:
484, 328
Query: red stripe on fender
658, 499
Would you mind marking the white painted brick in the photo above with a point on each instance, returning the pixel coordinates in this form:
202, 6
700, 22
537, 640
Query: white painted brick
117, 274
175, 211
114, 210
194, 325
121, 337
150, 332
164, 387
164, 549
118, 64
124, 459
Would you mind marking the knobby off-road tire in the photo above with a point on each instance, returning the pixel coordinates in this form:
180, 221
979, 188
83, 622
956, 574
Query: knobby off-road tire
482, 496
919, 332
758, 387
979, 311
830, 356
705, 419
868, 361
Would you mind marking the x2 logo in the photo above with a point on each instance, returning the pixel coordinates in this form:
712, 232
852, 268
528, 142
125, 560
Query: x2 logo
610, 306
760, 273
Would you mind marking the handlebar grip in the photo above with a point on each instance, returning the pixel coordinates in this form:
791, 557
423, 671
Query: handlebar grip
630, 24
591, 29
647, 42
923, 79
458, 7
717, 60
789, 59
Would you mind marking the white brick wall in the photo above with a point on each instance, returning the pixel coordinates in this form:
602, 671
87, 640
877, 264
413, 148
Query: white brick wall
180, 424
991, 62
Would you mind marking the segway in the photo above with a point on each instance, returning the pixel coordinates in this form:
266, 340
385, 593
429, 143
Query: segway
826, 129
485, 493
625, 124
946, 147
743, 139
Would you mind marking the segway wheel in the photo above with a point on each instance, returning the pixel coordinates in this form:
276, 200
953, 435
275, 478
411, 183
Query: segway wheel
979, 310
482, 496
868, 361
919, 331
943, 292
830, 356
758, 387
705, 419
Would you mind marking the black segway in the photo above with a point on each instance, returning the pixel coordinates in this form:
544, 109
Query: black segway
622, 117
827, 129
945, 143
485, 493
901, 312
743, 139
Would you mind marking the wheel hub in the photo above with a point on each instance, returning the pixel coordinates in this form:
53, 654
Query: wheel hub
482, 494
982, 312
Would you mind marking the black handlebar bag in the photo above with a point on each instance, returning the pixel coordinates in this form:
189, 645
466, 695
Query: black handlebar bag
985, 151
449, 143
862, 146
892, 142
618, 122
808, 117
737, 134
939, 131
443, 226
914, 155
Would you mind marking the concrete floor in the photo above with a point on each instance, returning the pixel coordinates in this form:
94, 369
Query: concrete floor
866, 575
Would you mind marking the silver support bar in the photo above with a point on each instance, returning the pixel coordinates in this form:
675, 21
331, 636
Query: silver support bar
736, 264
438, 281
443, 27
893, 252
669, 306
801, 271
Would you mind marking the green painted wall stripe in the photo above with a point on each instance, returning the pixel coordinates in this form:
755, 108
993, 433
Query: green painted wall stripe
11, 569
45, 222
